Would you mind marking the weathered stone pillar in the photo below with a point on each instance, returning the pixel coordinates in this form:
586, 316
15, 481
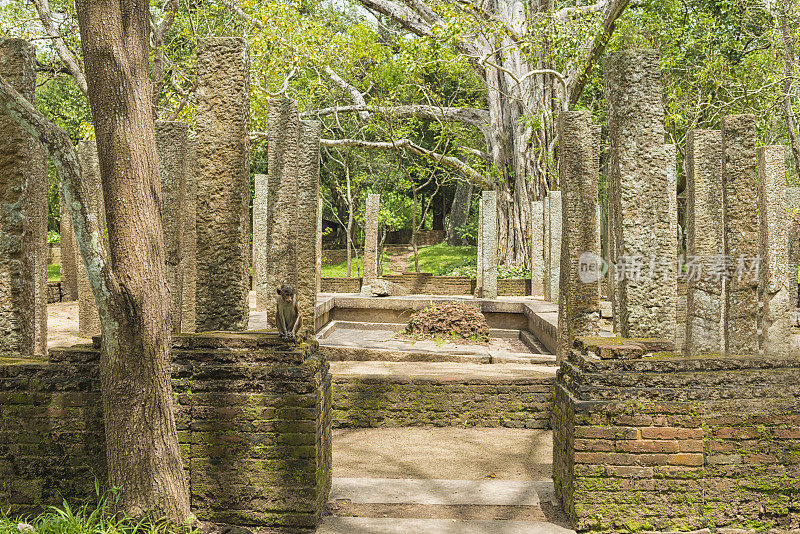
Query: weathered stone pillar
261, 227
489, 252
793, 203
773, 240
69, 251
277, 219
307, 215
537, 248
554, 237
189, 243
703, 242
171, 143
88, 318
319, 246
641, 197
668, 268
479, 253
740, 197
223, 183
23, 217
371, 239
579, 299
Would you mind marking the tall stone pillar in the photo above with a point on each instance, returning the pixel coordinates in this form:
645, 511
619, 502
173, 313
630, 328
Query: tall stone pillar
704, 246
69, 251
554, 237
261, 228
640, 182
740, 197
319, 246
668, 267
23, 217
88, 318
189, 243
223, 184
537, 248
489, 248
773, 241
793, 203
579, 300
275, 259
307, 215
479, 253
371, 239
171, 142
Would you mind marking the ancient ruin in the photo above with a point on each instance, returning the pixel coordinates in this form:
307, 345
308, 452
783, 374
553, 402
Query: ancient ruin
23, 218
222, 170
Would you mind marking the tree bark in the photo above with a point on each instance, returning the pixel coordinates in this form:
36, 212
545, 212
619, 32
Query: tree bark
782, 19
141, 438
459, 213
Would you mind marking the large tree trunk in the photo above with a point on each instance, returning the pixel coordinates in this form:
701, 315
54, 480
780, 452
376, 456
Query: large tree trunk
141, 438
459, 213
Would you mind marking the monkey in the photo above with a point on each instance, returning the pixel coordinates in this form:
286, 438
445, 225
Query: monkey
287, 316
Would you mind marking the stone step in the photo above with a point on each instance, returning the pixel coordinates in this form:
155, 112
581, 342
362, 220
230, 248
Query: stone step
370, 525
488, 492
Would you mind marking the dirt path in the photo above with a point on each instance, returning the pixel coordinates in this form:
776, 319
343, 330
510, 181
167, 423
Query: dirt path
399, 261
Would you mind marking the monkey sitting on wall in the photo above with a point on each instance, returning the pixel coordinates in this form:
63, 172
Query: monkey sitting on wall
287, 316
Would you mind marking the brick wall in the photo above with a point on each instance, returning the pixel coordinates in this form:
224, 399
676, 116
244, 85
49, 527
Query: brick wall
648, 440
428, 284
362, 402
253, 419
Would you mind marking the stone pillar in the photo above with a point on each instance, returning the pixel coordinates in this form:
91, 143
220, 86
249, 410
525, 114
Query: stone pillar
88, 318
773, 241
479, 253
579, 300
641, 197
740, 197
703, 242
23, 218
793, 203
669, 271
319, 246
69, 251
171, 143
489, 242
307, 215
276, 262
371, 239
554, 237
223, 184
189, 243
261, 241
537, 248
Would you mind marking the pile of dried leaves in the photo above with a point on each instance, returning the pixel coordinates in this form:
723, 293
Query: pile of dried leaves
449, 320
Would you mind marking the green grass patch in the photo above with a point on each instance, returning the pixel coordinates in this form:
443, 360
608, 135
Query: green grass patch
443, 260
92, 518
54, 273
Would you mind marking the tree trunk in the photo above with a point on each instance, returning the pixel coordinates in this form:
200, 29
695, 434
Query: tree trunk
141, 438
782, 19
459, 213
438, 213
349, 223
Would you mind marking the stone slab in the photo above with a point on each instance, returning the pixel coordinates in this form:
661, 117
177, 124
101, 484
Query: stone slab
490, 492
350, 525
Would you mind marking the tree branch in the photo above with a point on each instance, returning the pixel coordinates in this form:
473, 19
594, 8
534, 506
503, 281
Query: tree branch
476, 117
61, 152
64, 53
234, 6
407, 144
563, 15
354, 93
593, 50
404, 16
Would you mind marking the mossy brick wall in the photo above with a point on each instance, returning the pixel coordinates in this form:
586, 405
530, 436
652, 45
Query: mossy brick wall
648, 440
253, 418
364, 402
428, 284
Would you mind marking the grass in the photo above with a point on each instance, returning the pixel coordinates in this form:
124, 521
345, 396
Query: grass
442, 259
95, 518
54, 273
339, 270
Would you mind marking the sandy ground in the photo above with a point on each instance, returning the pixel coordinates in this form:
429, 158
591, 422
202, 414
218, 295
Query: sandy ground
445, 453
62, 325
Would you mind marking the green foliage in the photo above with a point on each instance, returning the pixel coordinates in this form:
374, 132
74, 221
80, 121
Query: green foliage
54, 272
53, 237
90, 518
